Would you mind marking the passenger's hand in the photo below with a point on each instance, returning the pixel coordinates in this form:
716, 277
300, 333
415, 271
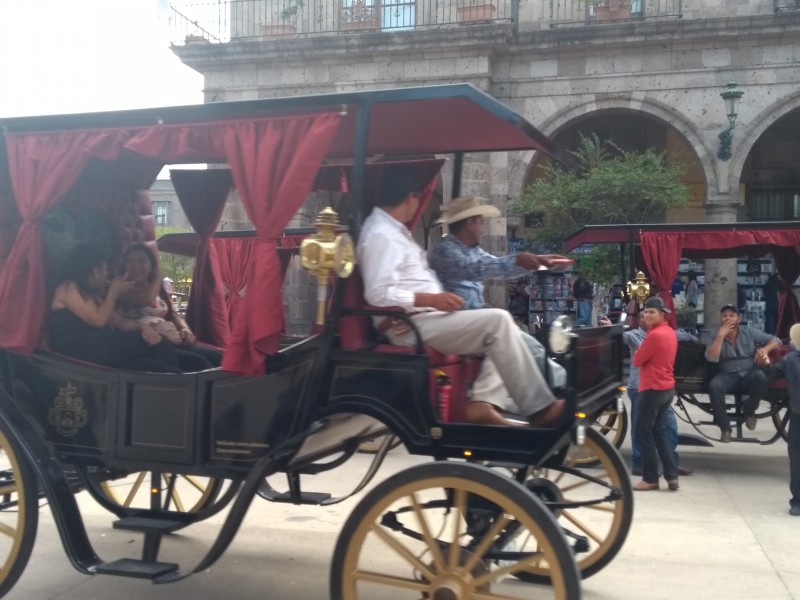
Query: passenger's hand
187, 336
446, 302
556, 261
119, 285
528, 261
150, 336
761, 358
605, 321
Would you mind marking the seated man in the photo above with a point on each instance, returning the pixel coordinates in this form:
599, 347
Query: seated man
396, 273
741, 352
462, 266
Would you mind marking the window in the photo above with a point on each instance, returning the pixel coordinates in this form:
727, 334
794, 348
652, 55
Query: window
773, 205
161, 213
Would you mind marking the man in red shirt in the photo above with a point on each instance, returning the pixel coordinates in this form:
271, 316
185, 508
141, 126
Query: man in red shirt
656, 361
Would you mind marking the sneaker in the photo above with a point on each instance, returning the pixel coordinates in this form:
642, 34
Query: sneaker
750, 422
795, 511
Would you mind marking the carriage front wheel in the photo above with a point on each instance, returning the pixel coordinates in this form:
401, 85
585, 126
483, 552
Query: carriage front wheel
449, 531
19, 514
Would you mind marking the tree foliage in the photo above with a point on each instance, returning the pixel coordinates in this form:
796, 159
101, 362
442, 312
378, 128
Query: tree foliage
614, 187
178, 268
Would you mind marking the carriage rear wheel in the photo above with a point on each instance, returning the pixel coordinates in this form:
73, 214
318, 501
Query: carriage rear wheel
601, 500
612, 424
449, 531
179, 493
19, 514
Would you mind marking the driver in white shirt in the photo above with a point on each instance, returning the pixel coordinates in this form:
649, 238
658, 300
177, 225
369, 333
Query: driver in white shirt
396, 273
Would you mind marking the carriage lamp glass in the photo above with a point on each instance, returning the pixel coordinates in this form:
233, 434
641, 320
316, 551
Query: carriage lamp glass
561, 334
731, 96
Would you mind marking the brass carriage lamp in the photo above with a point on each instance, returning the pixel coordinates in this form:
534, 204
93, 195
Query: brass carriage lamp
325, 253
639, 289
731, 96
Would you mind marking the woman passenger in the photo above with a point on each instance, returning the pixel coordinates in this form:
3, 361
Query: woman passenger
82, 322
147, 302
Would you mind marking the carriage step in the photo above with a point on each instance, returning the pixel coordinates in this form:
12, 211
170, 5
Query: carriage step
305, 498
140, 569
149, 524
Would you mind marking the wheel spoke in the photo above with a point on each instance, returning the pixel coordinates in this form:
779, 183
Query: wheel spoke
134, 489
459, 511
401, 550
401, 582
487, 540
8, 530
582, 526
430, 542
195, 483
522, 565
9, 489
601, 507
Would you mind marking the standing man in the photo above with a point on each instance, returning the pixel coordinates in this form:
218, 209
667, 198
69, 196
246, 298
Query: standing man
633, 338
583, 292
655, 359
396, 273
790, 368
462, 266
742, 354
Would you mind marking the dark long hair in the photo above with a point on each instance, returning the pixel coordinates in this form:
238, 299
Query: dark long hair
79, 264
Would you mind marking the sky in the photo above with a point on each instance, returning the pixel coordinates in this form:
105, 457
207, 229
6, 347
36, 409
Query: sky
67, 56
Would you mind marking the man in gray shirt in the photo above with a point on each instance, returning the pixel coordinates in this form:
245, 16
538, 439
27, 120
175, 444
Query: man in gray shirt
742, 354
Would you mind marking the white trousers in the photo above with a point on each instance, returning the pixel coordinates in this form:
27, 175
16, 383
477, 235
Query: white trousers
508, 368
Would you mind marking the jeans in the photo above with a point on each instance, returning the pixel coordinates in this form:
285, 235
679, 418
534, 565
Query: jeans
651, 430
754, 384
672, 432
794, 458
583, 314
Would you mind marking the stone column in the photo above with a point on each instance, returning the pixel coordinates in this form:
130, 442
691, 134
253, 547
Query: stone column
720, 274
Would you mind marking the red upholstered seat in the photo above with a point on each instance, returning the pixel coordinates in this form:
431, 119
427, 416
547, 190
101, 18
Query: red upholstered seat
356, 332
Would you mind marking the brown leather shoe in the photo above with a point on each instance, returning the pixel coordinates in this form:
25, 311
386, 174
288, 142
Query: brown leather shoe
725, 437
684, 471
673, 485
644, 486
549, 415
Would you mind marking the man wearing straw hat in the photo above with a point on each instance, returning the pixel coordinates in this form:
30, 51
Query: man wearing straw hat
462, 266
396, 273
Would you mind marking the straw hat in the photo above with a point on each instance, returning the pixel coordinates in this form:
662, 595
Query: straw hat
794, 335
465, 207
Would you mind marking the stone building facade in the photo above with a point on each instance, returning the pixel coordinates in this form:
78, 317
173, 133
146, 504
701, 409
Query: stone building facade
651, 79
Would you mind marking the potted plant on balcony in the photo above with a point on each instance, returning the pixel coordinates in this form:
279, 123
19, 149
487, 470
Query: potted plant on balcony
288, 17
359, 15
476, 10
611, 10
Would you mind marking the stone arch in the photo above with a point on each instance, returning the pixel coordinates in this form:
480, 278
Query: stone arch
521, 162
754, 130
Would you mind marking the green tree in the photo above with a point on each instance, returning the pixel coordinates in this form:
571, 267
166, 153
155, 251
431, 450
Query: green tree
175, 266
613, 187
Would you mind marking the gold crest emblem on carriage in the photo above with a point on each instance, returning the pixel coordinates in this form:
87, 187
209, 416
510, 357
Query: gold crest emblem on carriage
67, 414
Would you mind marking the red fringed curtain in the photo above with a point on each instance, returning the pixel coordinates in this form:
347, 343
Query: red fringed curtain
274, 164
662, 257
202, 194
233, 262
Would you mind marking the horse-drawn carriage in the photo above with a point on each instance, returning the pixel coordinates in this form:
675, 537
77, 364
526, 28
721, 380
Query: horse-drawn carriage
657, 249
496, 501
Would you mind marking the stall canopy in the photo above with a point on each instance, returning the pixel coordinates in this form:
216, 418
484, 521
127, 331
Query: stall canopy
273, 147
662, 246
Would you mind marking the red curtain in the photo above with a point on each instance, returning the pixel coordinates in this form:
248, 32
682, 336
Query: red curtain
662, 257
43, 167
274, 164
787, 262
202, 194
233, 264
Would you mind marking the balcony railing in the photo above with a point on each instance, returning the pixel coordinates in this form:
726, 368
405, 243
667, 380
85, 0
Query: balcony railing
227, 20
586, 12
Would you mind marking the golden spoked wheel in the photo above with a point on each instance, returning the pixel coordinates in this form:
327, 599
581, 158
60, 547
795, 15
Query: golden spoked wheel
180, 493
450, 531
612, 424
19, 514
604, 517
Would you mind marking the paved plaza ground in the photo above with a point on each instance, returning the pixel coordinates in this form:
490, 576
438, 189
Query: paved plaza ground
725, 535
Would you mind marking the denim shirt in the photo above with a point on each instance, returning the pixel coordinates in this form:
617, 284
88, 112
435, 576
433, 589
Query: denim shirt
739, 358
462, 269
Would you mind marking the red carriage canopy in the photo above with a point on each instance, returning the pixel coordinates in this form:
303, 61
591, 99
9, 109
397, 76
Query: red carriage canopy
274, 148
662, 247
